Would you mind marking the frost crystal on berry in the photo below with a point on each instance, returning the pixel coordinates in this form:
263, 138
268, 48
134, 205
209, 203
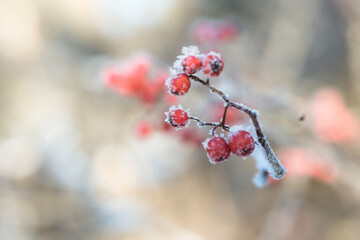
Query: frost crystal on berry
186, 51
191, 64
236, 128
263, 168
212, 64
217, 149
241, 143
177, 117
190, 50
179, 84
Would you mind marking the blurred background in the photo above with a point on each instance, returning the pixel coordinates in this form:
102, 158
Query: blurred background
85, 152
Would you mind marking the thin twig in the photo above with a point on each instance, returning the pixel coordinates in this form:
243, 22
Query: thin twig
278, 169
201, 123
222, 124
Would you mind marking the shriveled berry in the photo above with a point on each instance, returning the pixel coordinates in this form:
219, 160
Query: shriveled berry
241, 143
191, 64
212, 65
179, 84
217, 149
178, 118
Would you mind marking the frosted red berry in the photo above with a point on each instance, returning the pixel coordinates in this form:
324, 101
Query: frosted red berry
179, 84
212, 65
218, 149
191, 64
241, 143
178, 118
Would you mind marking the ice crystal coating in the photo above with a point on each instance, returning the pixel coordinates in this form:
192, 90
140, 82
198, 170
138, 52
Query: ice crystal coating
186, 51
177, 117
190, 50
236, 128
263, 167
217, 149
179, 84
241, 143
260, 178
212, 64
191, 64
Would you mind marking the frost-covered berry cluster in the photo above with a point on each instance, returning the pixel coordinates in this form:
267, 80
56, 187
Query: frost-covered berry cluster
240, 143
192, 65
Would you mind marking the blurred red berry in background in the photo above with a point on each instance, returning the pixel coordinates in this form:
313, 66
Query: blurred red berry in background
191, 136
333, 122
233, 116
134, 78
303, 162
144, 129
214, 31
128, 77
171, 100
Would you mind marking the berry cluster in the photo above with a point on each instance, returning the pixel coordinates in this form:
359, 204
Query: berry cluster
240, 142
193, 66
210, 64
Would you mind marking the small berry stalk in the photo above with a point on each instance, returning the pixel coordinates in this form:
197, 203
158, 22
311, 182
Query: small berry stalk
240, 142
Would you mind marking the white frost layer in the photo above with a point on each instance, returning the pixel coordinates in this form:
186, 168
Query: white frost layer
173, 107
215, 54
190, 50
261, 165
186, 51
260, 158
250, 129
206, 145
260, 179
236, 128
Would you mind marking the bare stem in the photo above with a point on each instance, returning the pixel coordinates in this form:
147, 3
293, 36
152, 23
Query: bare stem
278, 169
201, 123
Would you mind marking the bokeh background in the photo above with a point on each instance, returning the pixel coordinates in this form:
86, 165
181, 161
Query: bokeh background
84, 159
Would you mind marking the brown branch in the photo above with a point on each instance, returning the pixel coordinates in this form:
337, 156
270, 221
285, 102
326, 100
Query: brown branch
278, 169
222, 124
214, 124
201, 123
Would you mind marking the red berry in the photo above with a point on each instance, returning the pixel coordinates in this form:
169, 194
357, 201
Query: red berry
144, 129
191, 64
212, 65
177, 118
179, 84
241, 143
218, 149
